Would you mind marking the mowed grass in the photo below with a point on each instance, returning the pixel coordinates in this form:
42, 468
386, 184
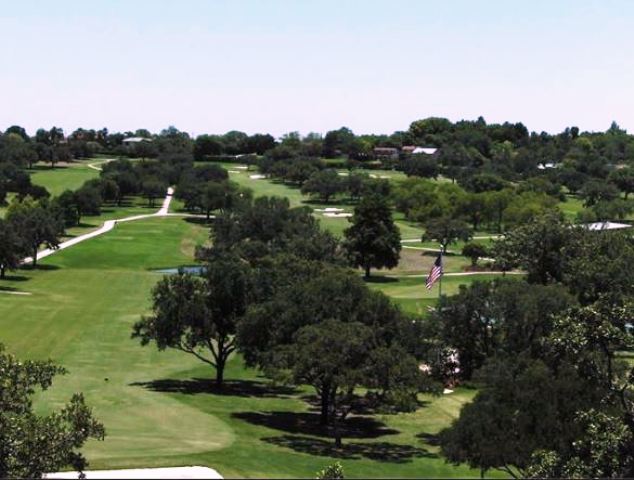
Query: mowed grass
58, 179
410, 292
571, 207
158, 407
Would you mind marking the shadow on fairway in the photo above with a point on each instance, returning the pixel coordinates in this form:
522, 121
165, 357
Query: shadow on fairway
307, 423
198, 220
39, 266
380, 279
432, 439
378, 451
8, 289
235, 388
15, 278
361, 407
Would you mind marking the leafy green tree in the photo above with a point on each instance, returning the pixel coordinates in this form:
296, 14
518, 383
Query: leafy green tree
595, 191
526, 207
153, 188
217, 196
373, 240
446, 231
623, 178
198, 315
503, 316
604, 450
482, 182
265, 226
421, 166
331, 472
30, 444
523, 406
325, 184
205, 146
35, 225
474, 251
88, 201
599, 264
495, 203
327, 331
10, 248
537, 248
66, 206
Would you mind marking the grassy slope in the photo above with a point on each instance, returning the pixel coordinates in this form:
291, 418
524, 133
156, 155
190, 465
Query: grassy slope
83, 303
58, 179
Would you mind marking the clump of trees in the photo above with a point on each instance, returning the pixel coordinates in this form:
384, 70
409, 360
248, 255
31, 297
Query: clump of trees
274, 287
554, 389
32, 444
373, 240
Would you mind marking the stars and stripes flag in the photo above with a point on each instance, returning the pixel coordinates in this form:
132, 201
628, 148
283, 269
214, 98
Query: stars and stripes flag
435, 273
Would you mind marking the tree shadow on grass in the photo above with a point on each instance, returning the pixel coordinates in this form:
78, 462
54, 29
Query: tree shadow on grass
198, 220
235, 388
380, 279
40, 266
432, 439
15, 278
378, 451
307, 423
361, 407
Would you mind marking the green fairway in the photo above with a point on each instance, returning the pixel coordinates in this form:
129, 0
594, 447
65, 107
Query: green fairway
411, 294
571, 207
158, 407
58, 179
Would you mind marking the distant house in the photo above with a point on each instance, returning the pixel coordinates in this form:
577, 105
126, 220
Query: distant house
415, 150
546, 166
599, 226
130, 140
386, 152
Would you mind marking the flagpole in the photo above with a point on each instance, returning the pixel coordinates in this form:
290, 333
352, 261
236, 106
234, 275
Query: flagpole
441, 275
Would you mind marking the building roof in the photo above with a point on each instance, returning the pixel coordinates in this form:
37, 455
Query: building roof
136, 139
414, 149
607, 226
544, 166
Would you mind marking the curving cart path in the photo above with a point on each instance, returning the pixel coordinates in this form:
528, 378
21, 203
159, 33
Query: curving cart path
107, 226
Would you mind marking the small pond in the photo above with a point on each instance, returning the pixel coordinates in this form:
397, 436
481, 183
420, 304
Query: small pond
193, 269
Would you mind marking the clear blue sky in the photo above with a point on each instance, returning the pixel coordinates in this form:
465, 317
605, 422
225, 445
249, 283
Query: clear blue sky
276, 66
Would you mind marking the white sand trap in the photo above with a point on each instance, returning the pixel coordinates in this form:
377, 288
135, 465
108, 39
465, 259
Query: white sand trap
384, 176
343, 174
9, 292
337, 215
150, 473
447, 391
257, 176
333, 209
235, 171
372, 175
241, 167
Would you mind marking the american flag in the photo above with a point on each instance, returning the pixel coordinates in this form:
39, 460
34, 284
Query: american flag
435, 273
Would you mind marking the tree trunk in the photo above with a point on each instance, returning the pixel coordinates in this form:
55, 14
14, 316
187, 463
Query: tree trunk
367, 271
34, 257
325, 406
220, 373
336, 433
2, 269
